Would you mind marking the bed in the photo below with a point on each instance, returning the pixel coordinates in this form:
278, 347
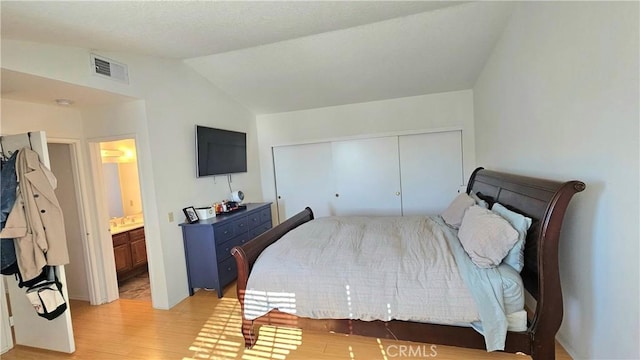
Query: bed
544, 201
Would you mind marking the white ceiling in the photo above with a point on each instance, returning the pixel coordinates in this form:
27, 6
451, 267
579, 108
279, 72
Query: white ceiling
185, 29
286, 55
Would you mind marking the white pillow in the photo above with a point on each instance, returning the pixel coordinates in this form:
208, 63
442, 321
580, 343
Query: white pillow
454, 213
515, 257
486, 236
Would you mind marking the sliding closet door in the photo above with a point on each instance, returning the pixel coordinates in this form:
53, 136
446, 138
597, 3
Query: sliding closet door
303, 178
394, 175
366, 175
431, 171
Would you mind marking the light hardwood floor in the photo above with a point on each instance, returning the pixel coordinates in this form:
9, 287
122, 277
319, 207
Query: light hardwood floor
205, 327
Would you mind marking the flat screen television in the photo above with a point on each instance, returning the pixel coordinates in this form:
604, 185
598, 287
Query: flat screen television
220, 152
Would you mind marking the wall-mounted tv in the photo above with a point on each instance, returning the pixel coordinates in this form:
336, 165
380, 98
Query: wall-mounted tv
220, 152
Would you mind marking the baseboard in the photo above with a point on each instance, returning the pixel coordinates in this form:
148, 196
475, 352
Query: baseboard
79, 297
5, 348
570, 350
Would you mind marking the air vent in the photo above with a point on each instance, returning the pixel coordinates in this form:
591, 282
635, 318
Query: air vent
108, 68
103, 67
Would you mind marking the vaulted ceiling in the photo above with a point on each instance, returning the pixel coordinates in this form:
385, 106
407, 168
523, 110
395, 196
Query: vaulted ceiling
288, 55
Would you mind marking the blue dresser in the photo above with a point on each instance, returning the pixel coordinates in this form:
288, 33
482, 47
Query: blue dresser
208, 244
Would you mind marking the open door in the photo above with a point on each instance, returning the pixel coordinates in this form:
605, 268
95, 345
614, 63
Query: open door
31, 329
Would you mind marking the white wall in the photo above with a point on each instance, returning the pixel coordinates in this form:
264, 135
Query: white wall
559, 99
58, 122
425, 112
174, 100
164, 129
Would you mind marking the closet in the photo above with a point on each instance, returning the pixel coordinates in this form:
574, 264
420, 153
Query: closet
409, 174
30, 329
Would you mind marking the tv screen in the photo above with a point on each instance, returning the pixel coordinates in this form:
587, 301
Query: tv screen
220, 152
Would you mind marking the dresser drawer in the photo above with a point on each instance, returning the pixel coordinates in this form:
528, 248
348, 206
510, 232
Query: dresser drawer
260, 229
254, 220
240, 225
265, 215
227, 271
223, 232
241, 239
223, 250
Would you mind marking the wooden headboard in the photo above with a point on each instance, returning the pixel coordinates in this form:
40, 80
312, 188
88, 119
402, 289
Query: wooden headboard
545, 202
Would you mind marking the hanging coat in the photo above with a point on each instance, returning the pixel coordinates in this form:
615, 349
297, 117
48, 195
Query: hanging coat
36, 221
8, 188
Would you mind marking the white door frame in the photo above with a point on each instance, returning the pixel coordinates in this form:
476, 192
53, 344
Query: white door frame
102, 213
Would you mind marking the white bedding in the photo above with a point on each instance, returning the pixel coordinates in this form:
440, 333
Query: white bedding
355, 268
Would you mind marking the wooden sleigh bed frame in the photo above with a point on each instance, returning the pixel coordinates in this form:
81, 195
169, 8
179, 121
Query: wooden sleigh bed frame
544, 201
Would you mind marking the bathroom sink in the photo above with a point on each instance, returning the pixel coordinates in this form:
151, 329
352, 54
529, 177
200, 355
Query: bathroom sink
120, 228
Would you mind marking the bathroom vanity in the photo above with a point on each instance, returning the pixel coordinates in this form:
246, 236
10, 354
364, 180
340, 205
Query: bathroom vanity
129, 251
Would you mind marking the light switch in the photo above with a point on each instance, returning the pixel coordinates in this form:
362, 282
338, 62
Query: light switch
171, 217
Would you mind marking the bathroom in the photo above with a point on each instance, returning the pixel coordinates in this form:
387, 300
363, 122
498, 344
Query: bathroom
126, 218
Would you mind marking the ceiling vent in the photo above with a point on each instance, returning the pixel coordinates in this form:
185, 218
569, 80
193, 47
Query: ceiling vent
104, 67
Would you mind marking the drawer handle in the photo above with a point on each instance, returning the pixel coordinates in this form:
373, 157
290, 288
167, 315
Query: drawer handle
241, 224
226, 232
229, 268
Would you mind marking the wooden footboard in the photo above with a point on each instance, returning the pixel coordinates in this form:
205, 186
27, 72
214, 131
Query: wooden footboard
542, 200
247, 254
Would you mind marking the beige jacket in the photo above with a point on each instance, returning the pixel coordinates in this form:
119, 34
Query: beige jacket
36, 221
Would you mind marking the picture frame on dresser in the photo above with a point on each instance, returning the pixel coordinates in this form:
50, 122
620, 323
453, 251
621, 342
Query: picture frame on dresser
191, 215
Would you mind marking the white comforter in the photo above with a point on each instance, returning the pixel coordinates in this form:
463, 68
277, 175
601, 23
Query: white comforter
354, 268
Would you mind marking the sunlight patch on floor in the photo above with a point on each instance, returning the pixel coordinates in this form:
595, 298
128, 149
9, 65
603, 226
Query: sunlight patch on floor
384, 353
221, 337
274, 343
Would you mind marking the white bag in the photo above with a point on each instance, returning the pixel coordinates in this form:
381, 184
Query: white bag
46, 298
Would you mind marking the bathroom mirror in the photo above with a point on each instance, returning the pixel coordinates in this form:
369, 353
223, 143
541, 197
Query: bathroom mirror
112, 187
121, 181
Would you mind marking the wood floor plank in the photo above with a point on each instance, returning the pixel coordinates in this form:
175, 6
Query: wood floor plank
204, 327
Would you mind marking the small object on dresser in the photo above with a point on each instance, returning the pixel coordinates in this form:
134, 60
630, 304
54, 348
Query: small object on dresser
206, 212
191, 214
237, 196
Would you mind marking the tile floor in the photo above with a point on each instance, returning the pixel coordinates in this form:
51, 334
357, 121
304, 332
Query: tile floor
136, 288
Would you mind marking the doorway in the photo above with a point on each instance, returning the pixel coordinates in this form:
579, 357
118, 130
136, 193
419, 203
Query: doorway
126, 219
63, 164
